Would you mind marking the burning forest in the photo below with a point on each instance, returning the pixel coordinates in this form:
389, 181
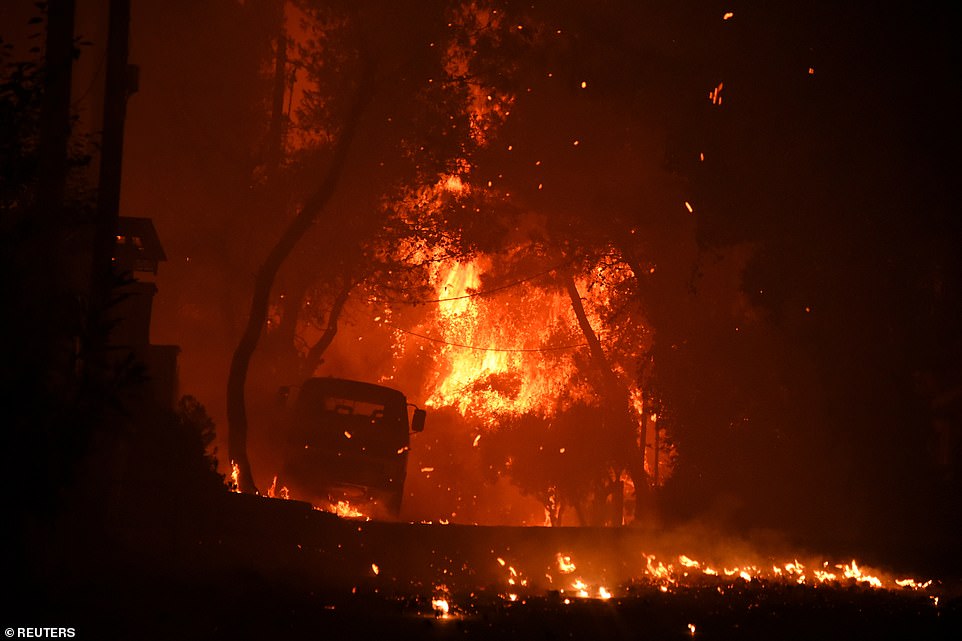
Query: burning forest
478, 317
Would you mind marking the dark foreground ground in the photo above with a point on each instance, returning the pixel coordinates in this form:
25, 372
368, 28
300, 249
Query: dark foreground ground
245, 609
249, 570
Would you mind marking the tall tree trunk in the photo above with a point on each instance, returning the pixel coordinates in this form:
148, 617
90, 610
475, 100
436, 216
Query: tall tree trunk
617, 402
240, 363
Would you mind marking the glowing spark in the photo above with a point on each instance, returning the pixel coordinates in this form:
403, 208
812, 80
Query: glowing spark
427, 469
500, 561
691, 626
441, 607
375, 569
728, 16
689, 207
603, 593
347, 434
476, 439
564, 564
584, 85
715, 94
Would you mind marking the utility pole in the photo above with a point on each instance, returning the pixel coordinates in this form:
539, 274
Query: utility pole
120, 83
55, 107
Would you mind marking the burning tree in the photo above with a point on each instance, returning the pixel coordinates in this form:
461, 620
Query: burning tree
519, 271
401, 129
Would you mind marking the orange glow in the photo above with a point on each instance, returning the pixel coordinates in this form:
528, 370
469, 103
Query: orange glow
234, 477
853, 572
486, 109
344, 510
278, 493
487, 368
439, 602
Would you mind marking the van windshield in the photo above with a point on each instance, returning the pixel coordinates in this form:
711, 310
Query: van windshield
350, 426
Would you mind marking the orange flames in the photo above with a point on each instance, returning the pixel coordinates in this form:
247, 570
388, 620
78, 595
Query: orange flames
490, 364
504, 343
685, 571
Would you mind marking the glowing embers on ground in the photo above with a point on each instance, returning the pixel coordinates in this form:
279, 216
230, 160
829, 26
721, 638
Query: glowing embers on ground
571, 582
345, 510
342, 508
683, 572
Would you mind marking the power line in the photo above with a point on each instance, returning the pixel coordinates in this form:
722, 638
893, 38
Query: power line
556, 348
491, 290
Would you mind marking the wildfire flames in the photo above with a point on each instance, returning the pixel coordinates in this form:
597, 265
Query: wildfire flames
683, 571
566, 582
345, 510
496, 375
507, 352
